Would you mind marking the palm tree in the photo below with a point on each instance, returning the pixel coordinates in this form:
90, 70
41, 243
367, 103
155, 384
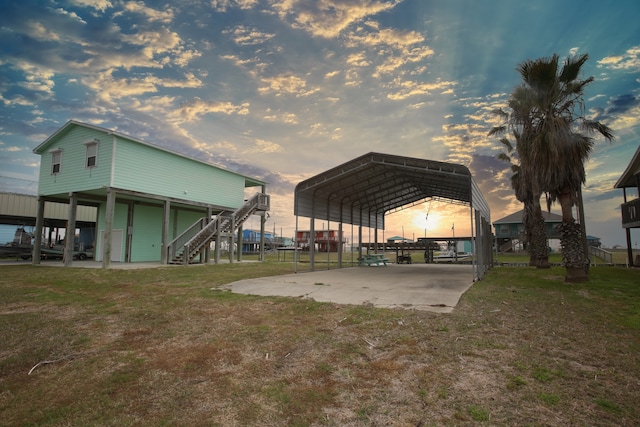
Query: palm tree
532, 219
553, 151
523, 181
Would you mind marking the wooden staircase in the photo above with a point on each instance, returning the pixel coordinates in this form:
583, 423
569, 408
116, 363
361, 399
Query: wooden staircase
194, 240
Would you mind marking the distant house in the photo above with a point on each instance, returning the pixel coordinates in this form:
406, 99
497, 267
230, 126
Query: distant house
509, 231
399, 239
630, 209
251, 240
594, 241
152, 204
325, 240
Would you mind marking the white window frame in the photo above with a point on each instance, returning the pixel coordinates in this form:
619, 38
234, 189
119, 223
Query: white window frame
56, 153
91, 153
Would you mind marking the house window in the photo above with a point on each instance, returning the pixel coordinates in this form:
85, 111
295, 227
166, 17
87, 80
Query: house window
56, 160
92, 154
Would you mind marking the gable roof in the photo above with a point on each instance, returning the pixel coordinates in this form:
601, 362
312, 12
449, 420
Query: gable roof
516, 218
40, 149
362, 190
628, 177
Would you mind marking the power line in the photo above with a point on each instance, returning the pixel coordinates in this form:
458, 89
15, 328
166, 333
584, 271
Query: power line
18, 179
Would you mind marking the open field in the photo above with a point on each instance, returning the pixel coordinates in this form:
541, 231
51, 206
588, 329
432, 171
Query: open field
164, 347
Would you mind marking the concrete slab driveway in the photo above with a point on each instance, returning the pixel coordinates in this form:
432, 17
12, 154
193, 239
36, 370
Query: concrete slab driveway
431, 287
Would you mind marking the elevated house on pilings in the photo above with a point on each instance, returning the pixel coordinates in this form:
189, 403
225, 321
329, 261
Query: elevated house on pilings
509, 231
630, 209
153, 204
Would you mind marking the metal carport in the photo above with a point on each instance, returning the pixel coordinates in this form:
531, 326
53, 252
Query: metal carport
361, 191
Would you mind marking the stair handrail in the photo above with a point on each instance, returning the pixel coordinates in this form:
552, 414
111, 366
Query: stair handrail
258, 202
186, 235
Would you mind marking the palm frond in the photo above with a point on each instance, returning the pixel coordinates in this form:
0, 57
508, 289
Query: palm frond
504, 157
572, 67
592, 126
497, 130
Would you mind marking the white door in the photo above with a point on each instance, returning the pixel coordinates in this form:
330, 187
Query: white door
116, 245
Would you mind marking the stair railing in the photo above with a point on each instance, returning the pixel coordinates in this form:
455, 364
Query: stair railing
174, 246
192, 240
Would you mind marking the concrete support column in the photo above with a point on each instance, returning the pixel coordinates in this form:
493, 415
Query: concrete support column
218, 242
166, 219
263, 220
37, 244
239, 255
231, 240
108, 228
70, 234
207, 250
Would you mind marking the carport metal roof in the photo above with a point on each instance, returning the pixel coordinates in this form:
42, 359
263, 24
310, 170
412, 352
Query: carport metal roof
362, 190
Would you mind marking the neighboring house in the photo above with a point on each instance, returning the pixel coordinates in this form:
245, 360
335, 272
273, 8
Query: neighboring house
509, 231
324, 239
630, 209
152, 204
594, 241
251, 241
399, 239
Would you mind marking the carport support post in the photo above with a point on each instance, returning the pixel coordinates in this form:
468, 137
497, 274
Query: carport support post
37, 244
312, 243
340, 248
70, 234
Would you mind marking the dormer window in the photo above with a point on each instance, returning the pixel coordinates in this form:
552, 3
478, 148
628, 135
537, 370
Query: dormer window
56, 161
92, 154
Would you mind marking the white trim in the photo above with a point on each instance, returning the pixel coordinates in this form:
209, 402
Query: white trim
94, 142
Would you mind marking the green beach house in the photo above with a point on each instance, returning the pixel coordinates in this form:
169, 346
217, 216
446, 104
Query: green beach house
154, 205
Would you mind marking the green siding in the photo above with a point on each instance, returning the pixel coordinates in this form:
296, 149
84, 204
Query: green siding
184, 220
119, 223
146, 240
74, 176
149, 170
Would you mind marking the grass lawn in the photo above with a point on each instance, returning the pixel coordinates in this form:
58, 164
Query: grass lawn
164, 346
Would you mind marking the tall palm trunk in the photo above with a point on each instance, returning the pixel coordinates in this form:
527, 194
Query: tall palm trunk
571, 237
539, 248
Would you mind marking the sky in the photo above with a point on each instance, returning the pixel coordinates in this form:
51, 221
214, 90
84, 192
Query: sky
282, 90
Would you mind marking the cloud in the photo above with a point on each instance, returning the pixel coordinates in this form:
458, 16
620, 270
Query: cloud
289, 118
403, 89
108, 88
245, 36
224, 5
621, 113
192, 110
264, 147
286, 84
101, 5
628, 61
328, 18
165, 16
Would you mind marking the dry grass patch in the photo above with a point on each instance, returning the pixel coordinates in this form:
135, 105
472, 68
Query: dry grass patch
165, 346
